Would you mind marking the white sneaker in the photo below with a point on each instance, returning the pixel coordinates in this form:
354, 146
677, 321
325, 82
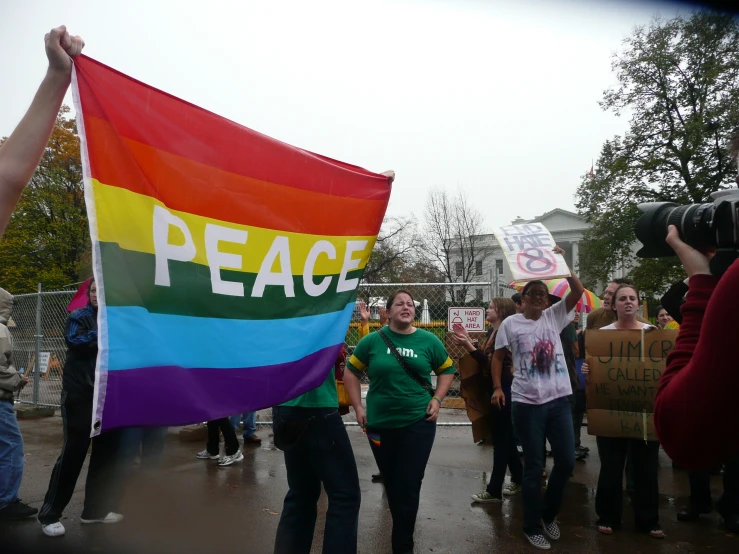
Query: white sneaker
112, 517
511, 489
53, 529
232, 459
205, 455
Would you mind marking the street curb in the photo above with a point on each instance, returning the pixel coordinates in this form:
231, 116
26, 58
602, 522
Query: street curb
25, 411
194, 433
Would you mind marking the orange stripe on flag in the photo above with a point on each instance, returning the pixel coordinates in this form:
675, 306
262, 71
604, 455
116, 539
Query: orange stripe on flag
185, 185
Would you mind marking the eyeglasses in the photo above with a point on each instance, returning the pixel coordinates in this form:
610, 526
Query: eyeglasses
537, 294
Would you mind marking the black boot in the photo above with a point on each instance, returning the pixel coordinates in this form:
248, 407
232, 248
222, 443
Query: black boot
17, 510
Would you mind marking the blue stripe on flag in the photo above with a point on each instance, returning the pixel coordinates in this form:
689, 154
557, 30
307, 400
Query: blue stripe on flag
137, 338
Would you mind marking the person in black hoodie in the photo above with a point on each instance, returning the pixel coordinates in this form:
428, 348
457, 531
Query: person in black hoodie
505, 454
102, 493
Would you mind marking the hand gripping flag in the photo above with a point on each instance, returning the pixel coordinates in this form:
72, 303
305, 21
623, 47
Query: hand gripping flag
227, 262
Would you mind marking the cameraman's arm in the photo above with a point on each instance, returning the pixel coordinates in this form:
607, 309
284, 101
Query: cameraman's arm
673, 300
695, 407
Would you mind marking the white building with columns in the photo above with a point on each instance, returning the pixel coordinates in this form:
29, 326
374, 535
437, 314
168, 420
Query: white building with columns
567, 229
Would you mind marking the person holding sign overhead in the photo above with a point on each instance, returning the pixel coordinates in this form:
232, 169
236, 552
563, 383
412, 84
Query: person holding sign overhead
540, 400
612, 450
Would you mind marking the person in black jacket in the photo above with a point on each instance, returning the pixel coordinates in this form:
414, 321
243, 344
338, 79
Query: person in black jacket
102, 488
505, 453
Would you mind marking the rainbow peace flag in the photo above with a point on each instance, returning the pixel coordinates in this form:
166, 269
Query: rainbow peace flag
227, 262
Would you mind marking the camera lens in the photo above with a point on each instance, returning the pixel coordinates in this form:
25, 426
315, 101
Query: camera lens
651, 229
693, 223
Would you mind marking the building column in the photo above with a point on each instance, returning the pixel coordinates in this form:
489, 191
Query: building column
576, 257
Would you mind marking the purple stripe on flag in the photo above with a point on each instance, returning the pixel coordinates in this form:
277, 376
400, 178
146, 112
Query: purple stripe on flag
169, 395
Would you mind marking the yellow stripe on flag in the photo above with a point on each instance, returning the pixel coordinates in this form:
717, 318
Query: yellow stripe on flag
127, 218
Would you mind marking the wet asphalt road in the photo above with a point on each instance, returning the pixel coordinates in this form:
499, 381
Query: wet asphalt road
195, 507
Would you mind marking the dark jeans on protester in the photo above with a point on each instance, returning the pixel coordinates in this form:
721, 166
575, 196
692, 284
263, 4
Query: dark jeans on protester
402, 455
229, 437
323, 455
609, 496
535, 423
145, 441
578, 412
505, 453
103, 487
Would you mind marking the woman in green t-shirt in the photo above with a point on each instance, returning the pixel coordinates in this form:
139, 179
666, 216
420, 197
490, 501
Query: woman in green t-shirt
402, 407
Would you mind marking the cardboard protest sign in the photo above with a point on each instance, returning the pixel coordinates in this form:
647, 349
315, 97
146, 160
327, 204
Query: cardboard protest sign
528, 250
475, 390
625, 369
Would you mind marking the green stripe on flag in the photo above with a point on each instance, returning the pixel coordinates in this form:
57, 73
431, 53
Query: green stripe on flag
129, 281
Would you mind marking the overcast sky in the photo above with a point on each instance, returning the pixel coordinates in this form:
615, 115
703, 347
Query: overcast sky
497, 98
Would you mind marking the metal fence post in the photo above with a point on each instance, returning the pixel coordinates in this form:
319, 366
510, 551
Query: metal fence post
37, 364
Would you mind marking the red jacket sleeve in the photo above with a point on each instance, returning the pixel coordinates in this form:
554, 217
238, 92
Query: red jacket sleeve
695, 409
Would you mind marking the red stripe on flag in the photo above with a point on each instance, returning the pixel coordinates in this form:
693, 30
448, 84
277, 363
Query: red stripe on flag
147, 115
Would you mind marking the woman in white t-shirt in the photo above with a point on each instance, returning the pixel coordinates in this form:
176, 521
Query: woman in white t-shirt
612, 450
540, 400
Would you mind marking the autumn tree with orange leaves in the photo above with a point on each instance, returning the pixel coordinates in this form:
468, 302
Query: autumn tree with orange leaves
47, 240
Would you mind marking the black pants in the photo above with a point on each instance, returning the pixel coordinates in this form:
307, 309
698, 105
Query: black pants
104, 486
402, 455
505, 453
609, 496
323, 455
229, 437
700, 490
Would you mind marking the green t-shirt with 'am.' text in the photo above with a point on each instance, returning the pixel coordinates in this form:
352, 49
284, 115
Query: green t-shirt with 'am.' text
394, 399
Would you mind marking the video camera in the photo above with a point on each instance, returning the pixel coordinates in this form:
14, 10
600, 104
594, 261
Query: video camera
702, 226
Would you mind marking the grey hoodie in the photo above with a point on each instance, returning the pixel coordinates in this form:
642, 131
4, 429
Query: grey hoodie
10, 379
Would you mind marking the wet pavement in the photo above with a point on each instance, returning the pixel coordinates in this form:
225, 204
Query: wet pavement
196, 507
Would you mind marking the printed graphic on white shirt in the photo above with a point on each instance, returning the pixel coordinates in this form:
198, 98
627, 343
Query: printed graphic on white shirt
540, 368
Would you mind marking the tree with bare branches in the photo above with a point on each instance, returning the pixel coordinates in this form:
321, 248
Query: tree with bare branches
453, 239
394, 250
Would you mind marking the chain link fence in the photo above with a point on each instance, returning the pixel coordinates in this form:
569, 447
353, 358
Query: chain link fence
37, 327
39, 351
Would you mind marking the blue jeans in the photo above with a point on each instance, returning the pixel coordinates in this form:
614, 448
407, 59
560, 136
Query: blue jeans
402, 455
148, 441
534, 424
11, 454
250, 423
323, 455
